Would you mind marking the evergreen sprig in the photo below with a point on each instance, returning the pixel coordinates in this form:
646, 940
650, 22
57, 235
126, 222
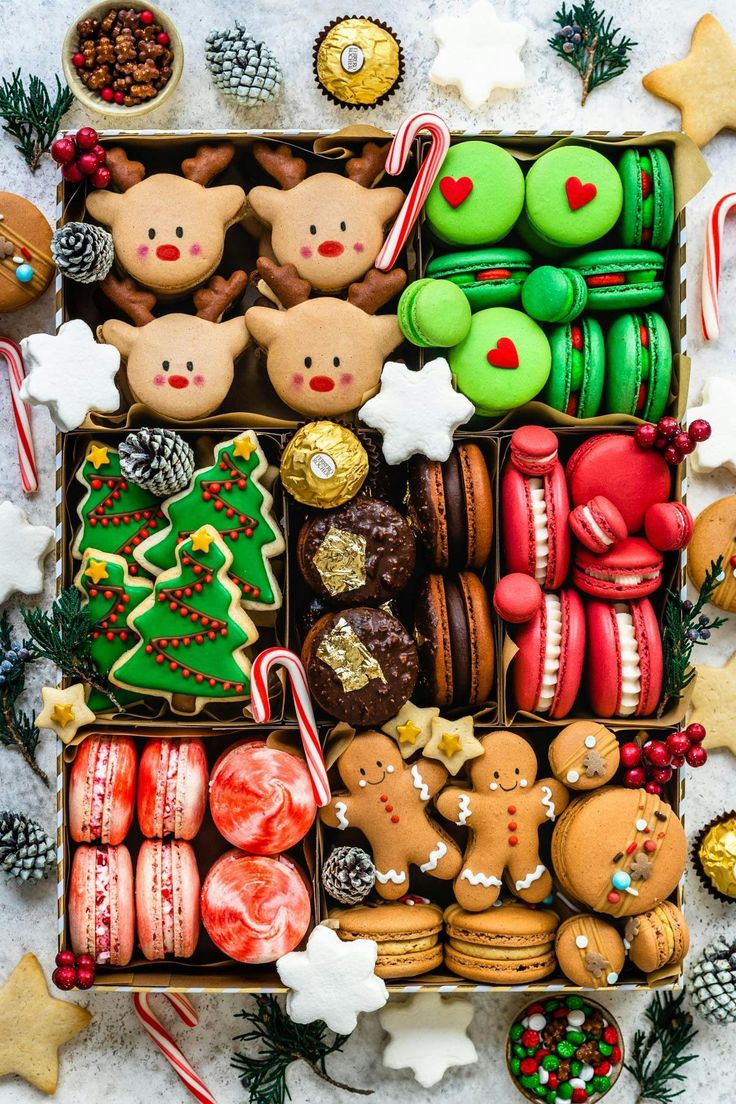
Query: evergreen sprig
591, 44
280, 1043
16, 726
670, 1033
31, 116
685, 625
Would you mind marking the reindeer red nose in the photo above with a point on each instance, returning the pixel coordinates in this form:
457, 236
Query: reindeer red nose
321, 383
330, 248
178, 382
167, 253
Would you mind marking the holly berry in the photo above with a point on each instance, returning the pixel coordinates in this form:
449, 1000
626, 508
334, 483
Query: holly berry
678, 743
656, 753
146, 18
86, 138
85, 962
100, 178
100, 153
684, 442
668, 427
696, 756
71, 172
695, 733
653, 788
65, 958
64, 977
672, 455
63, 150
635, 778
163, 39
107, 94
677, 762
661, 775
87, 163
85, 978
699, 430
646, 435
77, 60
631, 755
119, 97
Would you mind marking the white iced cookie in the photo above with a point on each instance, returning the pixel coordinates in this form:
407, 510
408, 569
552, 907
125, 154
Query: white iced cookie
332, 981
427, 1034
70, 374
416, 412
716, 405
64, 711
22, 551
478, 52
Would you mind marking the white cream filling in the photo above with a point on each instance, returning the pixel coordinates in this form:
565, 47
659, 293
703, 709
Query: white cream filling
595, 527
541, 530
552, 650
630, 662
624, 579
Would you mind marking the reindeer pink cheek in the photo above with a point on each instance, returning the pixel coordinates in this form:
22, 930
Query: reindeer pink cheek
346, 379
297, 380
142, 251
159, 380
198, 380
305, 251
358, 247
195, 250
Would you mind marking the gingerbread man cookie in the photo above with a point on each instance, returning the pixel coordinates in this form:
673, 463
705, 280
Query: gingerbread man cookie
388, 799
503, 811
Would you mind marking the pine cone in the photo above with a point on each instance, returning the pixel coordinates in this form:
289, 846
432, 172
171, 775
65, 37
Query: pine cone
713, 982
242, 67
82, 252
26, 851
157, 459
348, 875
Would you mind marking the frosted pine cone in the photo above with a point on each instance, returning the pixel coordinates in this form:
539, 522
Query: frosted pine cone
348, 875
82, 252
157, 459
26, 850
713, 982
242, 67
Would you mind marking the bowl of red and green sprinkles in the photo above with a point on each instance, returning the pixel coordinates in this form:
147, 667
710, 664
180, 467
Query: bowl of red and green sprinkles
565, 1049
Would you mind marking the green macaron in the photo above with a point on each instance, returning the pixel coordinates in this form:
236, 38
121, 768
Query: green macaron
554, 294
503, 362
537, 245
488, 277
573, 196
638, 366
477, 196
433, 314
648, 212
621, 279
575, 384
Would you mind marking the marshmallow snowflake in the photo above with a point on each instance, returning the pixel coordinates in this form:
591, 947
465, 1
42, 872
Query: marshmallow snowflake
22, 552
428, 1036
70, 374
478, 52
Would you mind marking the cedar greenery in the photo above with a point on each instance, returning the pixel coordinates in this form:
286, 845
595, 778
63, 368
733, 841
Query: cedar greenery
671, 1031
685, 625
282, 1042
589, 42
31, 116
17, 729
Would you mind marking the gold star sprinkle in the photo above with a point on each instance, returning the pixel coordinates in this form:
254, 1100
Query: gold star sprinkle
449, 744
453, 743
64, 711
244, 447
97, 456
62, 714
411, 727
408, 733
202, 539
96, 571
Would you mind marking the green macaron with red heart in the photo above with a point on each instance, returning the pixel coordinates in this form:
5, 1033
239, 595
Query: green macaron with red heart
575, 384
477, 196
488, 277
573, 196
621, 279
648, 212
638, 366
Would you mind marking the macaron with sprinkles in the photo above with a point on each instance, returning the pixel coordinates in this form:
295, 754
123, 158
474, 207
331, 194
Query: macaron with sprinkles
26, 266
590, 951
584, 755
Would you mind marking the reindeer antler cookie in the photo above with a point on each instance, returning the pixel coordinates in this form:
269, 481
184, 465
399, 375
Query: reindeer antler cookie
331, 227
169, 231
503, 812
388, 800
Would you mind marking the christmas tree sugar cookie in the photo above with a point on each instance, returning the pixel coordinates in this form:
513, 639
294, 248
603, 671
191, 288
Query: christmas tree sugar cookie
110, 595
193, 631
229, 496
115, 515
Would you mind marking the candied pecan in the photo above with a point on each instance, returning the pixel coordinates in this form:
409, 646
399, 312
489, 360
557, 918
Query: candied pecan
143, 91
150, 50
98, 78
87, 49
125, 48
105, 51
108, 22
88, 28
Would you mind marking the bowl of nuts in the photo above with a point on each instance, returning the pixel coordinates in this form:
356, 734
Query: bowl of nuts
122, 61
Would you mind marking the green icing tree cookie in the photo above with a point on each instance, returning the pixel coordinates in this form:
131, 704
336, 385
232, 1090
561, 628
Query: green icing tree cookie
228, 496
110, 595
193, 631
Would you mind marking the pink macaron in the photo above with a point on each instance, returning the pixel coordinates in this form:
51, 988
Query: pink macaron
551, 647
631, 569
517, 597
535, 509
172, 788
102, 789
598, 524
624, 664
100, 905
669, 526
167, 899
615, 466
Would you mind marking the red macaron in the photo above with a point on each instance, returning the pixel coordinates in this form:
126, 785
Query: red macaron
167, 899
669, 526
551, 647
172, 788
517, 597
615, 466
631, 569
102, 789
100, 904
535, 508
624, 664
598, 524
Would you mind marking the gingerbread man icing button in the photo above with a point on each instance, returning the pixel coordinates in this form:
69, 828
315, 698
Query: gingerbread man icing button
387, 799
504, 810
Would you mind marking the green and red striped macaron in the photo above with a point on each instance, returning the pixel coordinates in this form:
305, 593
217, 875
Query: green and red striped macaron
621, 279
575, 384
488, 277
638, 366
648, 212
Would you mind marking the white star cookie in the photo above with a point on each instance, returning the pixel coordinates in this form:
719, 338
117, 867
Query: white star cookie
332, 981
478, 52
416, 412
64, 711
717, 403
22, 551
428, 1036
70, 374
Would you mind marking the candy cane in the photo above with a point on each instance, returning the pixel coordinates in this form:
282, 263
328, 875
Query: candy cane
709, 312
183, 1069
401, 146
21, 416
261, 709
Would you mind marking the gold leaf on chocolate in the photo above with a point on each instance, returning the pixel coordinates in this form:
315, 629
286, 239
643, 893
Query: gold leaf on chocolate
343, 650
340, 560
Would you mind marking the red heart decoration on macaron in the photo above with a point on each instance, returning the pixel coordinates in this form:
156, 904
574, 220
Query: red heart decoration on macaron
455, 191
504, 355
579, 194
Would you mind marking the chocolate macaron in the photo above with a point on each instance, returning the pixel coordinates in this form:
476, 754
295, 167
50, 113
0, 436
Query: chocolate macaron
454, 635
408, 935
509, 944
451, 508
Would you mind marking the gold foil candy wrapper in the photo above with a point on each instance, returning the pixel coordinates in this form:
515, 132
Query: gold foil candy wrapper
358, 61
340, 561
324, 465
718, 856
344, 651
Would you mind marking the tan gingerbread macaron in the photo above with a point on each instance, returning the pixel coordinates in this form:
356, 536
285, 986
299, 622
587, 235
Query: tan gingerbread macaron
584, 755
590, 951
714, 535
508, 944
407, 933
657, 938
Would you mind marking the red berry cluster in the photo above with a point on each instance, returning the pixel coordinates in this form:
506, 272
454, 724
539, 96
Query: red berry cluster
669, 438
73, 970
651, 765
81, 155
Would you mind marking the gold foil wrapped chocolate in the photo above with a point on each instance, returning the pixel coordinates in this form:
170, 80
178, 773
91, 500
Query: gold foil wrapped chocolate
340, 560
324, 465
718, 856
344, 651
358, 61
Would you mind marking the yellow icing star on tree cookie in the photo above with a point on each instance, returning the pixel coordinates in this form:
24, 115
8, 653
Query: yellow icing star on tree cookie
714, 704
64, 711
201, 540
97, 456
243, 446
34, 1026
411, 727
453, 743
96, 570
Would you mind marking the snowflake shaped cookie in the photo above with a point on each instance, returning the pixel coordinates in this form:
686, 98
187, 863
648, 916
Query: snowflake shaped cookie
22, 552
719, 451
428, 1036
478, 52
70, 374
332, 981
416, 412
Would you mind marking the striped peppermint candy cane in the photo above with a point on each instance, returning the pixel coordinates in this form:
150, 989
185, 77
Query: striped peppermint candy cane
709, 312
21, 415
261, 709
401, 146
182, 1067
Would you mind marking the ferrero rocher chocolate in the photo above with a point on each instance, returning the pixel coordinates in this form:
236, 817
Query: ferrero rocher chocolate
358, 61
324, 465
717, 856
